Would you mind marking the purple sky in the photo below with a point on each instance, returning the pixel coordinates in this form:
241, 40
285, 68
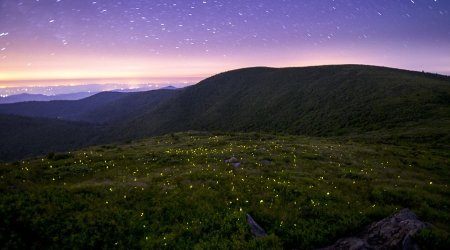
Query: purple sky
80, 39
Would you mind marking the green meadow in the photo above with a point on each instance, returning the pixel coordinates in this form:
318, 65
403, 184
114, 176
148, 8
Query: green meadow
177, 192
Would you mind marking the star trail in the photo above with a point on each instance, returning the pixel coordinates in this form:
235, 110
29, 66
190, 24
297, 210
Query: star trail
188, 40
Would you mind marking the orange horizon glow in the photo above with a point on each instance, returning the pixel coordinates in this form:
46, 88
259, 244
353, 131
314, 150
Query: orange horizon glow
72, 67
116, 68
77, 64
79, 69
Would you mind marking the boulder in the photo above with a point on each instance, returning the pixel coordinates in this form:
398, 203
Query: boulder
232, 160
256, 229
394, 232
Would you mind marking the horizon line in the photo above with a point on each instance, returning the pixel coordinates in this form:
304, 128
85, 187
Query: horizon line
21, 83
189, 79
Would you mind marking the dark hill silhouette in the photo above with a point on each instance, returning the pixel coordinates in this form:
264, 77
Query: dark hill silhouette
170, 87
64, 110
131, 105
42, 98
103, 107
25, 136
320, 101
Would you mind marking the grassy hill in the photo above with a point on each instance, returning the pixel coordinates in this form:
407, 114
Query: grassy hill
176, 192
320, 101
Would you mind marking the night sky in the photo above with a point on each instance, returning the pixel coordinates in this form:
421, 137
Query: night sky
183, 39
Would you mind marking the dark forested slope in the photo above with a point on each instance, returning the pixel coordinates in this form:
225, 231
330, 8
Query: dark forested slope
325, 100
24, 136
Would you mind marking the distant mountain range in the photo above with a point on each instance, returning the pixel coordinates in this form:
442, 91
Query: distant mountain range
43, 98
99, 108
25, 97
371, 102
170, 87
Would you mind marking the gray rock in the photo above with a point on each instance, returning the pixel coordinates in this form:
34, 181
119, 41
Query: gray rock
256, 229
237, 164
266, 162
350, 243
394, 232
232, 160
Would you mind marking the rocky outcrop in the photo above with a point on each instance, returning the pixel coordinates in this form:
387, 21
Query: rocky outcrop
233, 161
394, 232
256, 229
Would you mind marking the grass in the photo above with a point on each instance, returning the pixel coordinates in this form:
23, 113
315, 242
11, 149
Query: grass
176, 192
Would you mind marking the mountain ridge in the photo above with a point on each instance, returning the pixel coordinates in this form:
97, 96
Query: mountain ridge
250, 99
25, 97
60, 109
357, 101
